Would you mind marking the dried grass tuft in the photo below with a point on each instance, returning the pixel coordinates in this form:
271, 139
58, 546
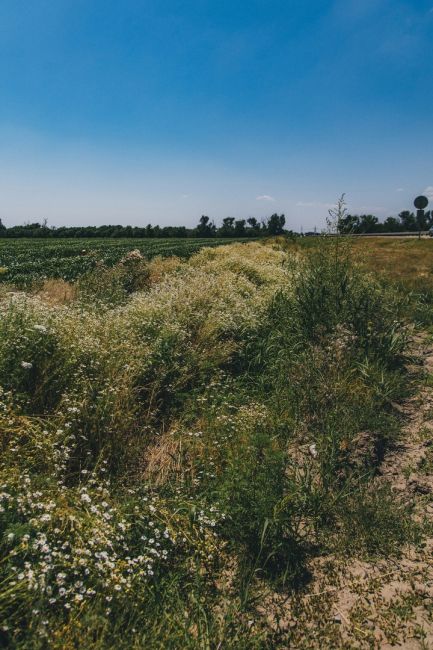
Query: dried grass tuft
164, 459
159, 267
57, 292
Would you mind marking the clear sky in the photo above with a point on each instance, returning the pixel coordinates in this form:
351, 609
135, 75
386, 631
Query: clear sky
138, 111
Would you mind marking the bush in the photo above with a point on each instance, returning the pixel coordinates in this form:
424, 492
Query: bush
253, 493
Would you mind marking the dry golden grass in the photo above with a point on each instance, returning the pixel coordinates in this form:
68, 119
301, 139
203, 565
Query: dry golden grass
159, 267
57, 292
164, 459
404, 260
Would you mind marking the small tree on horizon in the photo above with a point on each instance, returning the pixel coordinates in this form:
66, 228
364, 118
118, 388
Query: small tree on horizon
205, 228
275, 225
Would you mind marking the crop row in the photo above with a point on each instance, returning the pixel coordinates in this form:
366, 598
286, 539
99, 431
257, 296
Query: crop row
22, 261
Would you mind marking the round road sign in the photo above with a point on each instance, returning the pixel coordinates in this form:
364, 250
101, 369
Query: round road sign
421, 202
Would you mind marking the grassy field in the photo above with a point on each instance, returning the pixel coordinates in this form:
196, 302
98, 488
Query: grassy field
399, 259
407, 262
193, 449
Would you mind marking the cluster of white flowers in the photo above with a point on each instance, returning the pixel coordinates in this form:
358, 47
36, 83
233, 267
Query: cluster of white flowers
40, 328
66, 555
210, 518
67, 543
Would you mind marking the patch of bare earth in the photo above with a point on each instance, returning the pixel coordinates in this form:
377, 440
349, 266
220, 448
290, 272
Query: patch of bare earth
383, 604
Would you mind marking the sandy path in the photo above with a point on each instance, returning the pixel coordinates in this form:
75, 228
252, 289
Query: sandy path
385, 604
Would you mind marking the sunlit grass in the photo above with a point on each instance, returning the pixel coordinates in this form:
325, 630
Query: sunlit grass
175, 432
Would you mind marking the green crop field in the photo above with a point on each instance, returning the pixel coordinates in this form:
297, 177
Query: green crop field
25, 260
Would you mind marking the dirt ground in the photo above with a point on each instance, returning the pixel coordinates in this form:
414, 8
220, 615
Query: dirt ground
385, 604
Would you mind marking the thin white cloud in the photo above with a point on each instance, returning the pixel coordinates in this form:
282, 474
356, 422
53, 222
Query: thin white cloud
428, 192
265, 197
399, 189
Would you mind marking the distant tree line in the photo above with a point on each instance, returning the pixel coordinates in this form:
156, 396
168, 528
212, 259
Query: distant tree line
230, 227
367, 223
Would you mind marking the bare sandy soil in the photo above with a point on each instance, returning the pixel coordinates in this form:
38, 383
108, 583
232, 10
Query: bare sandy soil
386, 604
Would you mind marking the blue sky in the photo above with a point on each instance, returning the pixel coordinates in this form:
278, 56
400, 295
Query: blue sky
160, 110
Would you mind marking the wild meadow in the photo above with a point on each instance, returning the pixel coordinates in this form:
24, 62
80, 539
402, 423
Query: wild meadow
182, 438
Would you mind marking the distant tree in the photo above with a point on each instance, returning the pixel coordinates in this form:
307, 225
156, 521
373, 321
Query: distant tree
391, 224
254, 228
173, 231
408, 220
227, 229
139, 232
275, 225
348, 224
240, 228
205, 228
368, 223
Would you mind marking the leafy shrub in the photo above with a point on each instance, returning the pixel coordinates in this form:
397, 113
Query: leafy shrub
253, 494
332, 292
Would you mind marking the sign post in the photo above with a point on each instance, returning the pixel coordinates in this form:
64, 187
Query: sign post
421, 202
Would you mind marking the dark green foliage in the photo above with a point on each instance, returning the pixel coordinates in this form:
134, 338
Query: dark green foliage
253, 492
275, 224
204, 229
367, 223
332, 293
